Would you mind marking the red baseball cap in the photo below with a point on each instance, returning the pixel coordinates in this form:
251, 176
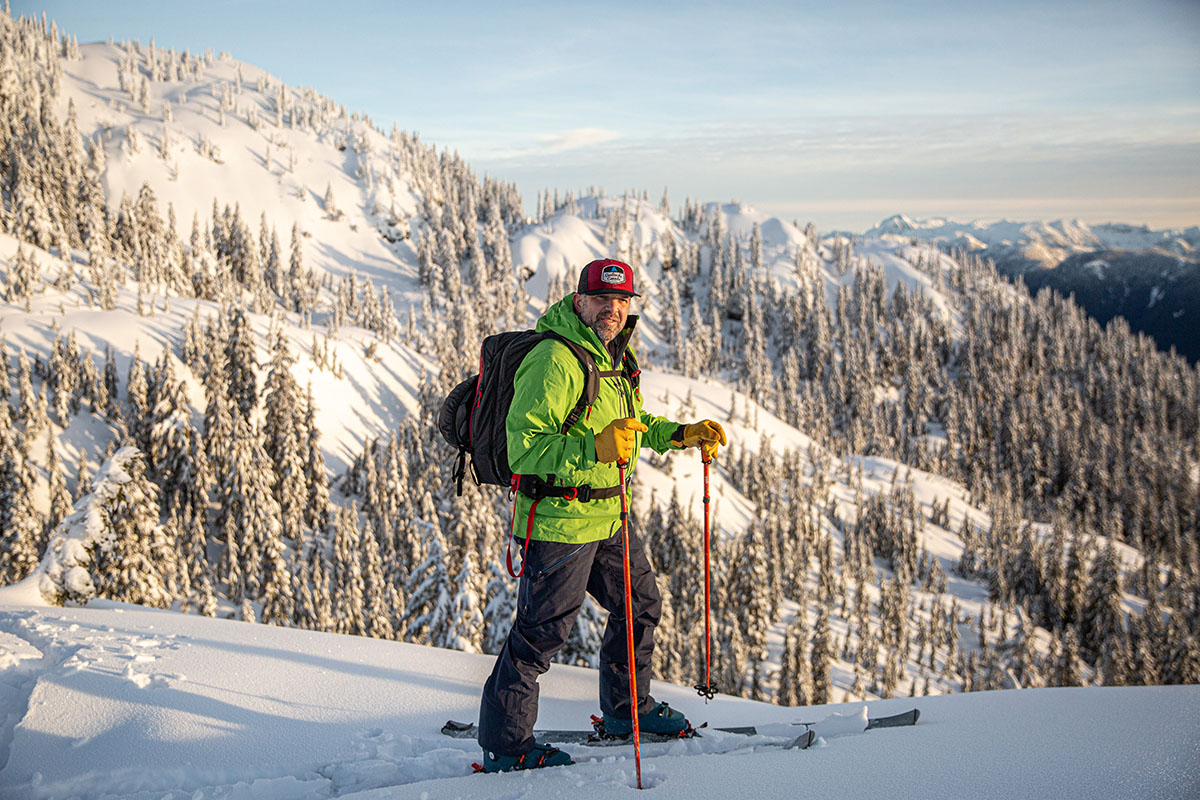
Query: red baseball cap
607, 276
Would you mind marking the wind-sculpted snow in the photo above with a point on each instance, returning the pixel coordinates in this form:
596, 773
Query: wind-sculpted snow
117, 701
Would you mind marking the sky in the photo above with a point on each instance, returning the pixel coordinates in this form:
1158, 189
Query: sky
837, 113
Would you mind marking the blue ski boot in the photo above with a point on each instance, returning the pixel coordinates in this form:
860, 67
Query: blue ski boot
662, 719
540, 755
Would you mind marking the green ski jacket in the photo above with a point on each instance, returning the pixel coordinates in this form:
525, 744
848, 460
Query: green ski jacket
546, 387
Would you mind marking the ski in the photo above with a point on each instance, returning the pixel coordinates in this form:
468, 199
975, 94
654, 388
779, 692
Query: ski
909, 717
597, 737
895, 720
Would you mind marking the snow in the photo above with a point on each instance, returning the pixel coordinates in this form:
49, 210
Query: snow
1047, 242
897, 269
557, 251
121, 701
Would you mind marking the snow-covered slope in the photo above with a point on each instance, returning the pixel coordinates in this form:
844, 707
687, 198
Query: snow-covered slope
214, 136
117, 701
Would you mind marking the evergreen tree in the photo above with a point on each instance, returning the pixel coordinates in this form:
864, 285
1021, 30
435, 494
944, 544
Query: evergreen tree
251, 527
60, 498
219, 427
465, 629
295, 290
376, 599
730, 668
429, 588
240, 363
822, 659
1067, 666
347, 585
135, 561
749, 593
83, 480
278, 592
795, 674
20, 529
500, 610
1101, 623
316, 481
283, 439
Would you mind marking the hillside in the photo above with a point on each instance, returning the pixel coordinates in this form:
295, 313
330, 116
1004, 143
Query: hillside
1151, 279
120, 701
240, 305
1155, 293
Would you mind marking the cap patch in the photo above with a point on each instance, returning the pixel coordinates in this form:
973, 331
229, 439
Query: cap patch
612, 274
607, 276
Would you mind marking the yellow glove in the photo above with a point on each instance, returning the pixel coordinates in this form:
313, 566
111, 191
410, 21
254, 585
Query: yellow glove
616, 442
705, 434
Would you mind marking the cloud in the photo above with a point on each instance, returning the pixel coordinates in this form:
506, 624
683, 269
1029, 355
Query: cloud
576, 138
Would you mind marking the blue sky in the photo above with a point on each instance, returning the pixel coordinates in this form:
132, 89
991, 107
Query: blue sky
839, 113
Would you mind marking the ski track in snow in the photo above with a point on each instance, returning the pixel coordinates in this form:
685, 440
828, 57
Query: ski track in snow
115, 701
380, 757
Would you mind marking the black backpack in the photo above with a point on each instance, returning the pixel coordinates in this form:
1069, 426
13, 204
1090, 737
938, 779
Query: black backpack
472, 418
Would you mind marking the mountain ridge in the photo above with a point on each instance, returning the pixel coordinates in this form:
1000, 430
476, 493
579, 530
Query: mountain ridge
1161, 264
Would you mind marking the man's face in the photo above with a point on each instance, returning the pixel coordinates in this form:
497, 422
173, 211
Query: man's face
603, 313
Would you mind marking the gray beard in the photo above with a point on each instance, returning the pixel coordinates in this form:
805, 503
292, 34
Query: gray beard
598, 329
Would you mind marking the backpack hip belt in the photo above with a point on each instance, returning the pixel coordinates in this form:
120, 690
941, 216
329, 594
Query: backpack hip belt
536, 489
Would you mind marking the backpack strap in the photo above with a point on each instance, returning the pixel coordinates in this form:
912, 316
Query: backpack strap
591, 380
630, 372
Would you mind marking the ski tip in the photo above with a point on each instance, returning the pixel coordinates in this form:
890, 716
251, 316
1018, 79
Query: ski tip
916, 712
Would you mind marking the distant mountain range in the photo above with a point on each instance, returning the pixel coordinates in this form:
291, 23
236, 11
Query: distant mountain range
1151, 278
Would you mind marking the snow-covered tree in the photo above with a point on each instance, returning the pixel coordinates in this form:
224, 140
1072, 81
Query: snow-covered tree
465, 629
112, 544
20, 528
284, 440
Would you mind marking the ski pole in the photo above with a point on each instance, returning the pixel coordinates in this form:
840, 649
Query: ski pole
706, 689
633, 694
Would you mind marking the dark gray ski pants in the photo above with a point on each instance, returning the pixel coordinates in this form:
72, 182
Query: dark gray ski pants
550, 594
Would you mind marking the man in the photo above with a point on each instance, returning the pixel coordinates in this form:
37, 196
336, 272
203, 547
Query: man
573, 544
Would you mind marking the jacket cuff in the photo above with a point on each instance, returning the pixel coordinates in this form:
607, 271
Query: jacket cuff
676, 438
588, 456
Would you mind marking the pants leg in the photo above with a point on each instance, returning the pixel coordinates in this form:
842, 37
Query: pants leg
607, 585
549, 596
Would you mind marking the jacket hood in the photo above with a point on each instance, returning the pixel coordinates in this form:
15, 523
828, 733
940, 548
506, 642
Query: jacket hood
562, 319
